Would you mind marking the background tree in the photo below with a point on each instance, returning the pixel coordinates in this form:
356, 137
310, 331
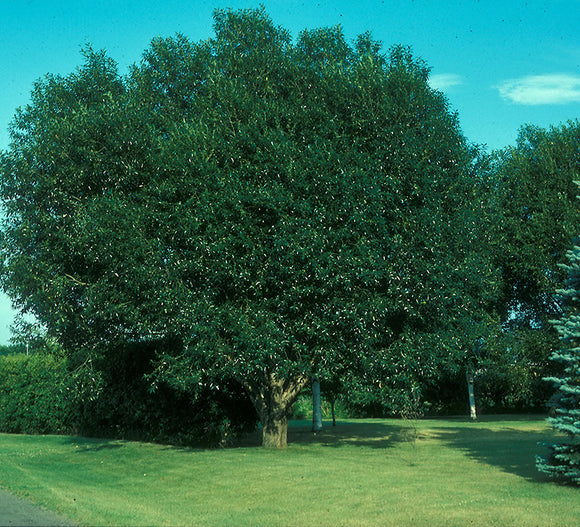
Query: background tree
534, 198
317, 406
563, 461
272, 210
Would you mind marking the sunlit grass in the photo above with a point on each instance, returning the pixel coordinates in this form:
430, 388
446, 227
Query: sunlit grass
363, 472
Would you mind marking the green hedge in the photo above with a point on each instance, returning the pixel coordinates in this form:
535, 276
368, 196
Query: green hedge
40, 395
34, 393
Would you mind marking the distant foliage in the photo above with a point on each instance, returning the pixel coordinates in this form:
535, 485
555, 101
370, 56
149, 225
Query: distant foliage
563, 462
534, 215
11, 350
34, 394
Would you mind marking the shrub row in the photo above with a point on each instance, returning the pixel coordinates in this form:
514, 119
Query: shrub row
34, 394
40, 395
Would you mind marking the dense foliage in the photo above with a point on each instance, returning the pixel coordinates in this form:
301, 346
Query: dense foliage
237, 215
12, 349
529, 218
35, 394
563, 461
39, 394
116, 400
535, 219
274, 209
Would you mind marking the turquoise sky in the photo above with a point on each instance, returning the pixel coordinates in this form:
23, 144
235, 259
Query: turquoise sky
501, 63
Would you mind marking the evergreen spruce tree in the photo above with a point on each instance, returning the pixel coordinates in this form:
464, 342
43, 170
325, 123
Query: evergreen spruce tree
563, 461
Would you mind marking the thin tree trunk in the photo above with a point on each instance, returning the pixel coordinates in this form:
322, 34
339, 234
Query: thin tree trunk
471, 393
332, 400
316, 406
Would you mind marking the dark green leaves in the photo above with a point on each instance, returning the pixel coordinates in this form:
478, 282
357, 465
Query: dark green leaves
282, 208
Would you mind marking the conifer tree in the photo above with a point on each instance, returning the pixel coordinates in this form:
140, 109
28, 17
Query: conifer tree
563, 461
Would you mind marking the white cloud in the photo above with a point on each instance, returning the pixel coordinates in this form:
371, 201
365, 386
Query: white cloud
559, 88
444, 81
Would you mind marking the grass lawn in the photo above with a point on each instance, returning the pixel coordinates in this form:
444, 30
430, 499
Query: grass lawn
363, 472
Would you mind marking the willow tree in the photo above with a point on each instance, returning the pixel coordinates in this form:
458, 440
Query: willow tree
276, 210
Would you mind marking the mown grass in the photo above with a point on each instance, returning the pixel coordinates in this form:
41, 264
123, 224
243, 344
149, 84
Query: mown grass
363, 472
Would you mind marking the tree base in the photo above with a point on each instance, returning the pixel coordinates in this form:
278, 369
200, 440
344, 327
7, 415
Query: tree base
275, 434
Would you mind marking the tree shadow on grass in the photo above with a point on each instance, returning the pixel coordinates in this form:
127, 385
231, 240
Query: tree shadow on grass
360, 434
510, 449
378, 434
90, 444
351, 433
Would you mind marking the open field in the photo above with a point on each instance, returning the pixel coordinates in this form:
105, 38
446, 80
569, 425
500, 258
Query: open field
363, 472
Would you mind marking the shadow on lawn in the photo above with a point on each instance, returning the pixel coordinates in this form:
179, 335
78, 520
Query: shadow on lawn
364, 434
88, 444
510, 449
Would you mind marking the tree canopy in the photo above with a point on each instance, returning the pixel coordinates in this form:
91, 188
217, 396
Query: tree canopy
533, 219
272, 209
536, 218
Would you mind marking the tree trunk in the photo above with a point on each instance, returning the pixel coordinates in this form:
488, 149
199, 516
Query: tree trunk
471, 392
332, 410
273, 399
316, 406
274, 431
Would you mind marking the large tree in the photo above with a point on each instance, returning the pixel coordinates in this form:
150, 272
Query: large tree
278, 209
